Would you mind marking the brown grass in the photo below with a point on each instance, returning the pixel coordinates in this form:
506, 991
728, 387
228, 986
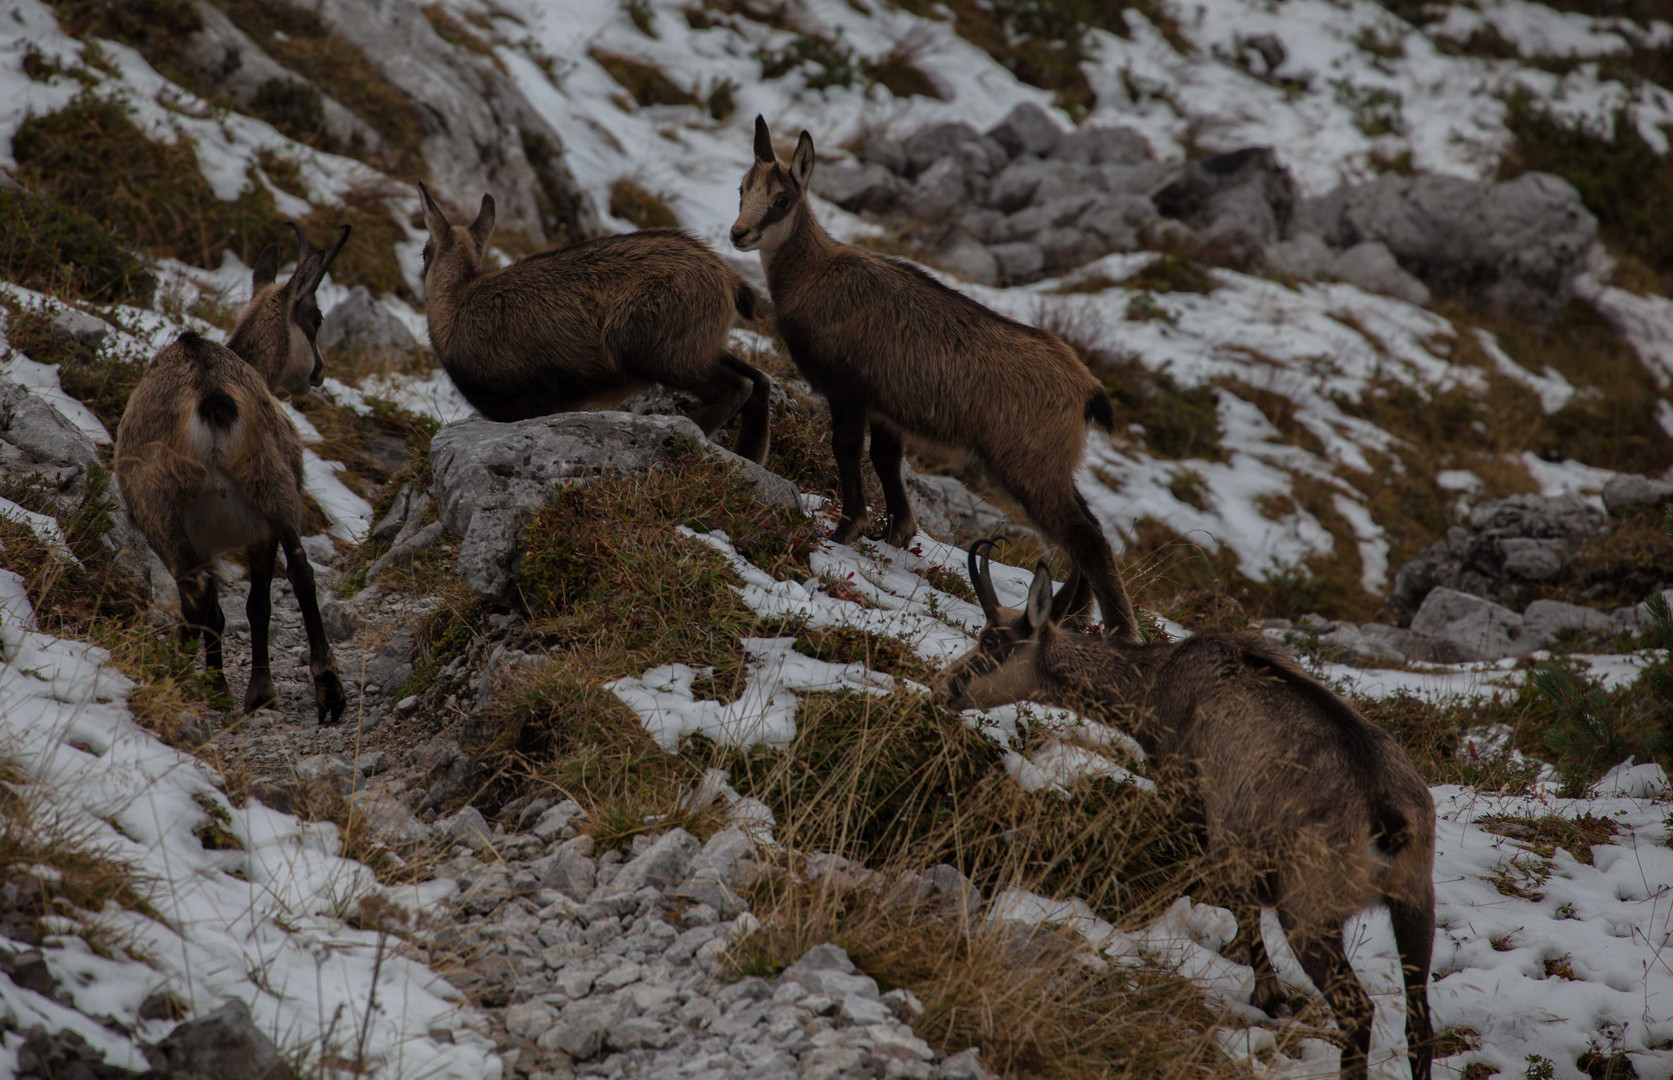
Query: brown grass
646, 83
646, 209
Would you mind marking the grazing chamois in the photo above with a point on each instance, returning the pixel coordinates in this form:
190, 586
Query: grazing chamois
207, 461
1305, 805
881, 340
590, 324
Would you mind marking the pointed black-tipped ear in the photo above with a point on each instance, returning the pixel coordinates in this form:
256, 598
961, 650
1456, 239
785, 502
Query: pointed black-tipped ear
434, 219
1039, 596
763, 142
1073, 600
266, 270
801, 164
483, 227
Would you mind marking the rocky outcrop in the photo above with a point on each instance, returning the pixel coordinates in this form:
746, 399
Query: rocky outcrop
1517, 245
491, 478
1505, 549
224, 1045
362, 324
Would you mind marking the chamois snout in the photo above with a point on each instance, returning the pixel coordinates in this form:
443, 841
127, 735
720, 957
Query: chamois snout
744, 239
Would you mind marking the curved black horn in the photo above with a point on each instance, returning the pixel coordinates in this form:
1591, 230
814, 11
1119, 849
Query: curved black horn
301, 239
981, 577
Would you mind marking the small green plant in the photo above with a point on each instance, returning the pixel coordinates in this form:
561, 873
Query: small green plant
51, 247
1585, 737
1540, 1068
722, 100
823, 61
1142, 307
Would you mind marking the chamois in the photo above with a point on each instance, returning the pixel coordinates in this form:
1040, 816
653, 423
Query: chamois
206, 461
881, 340
1309, 807
590, 324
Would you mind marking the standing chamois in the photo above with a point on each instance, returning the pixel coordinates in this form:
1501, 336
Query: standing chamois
1305, 805
588, 325
881, 340
207, 462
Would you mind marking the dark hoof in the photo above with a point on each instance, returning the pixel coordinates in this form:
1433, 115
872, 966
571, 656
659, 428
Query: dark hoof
260, 695
901, 533
329, 696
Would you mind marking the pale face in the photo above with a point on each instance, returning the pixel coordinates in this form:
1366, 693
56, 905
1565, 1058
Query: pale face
765, 199
998, 671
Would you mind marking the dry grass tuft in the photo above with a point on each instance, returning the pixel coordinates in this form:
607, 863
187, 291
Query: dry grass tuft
646, 209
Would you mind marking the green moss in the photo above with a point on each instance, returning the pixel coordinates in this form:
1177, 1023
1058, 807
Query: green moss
159, 199
50, 247
1178, 421
1171, 274
95, 377
823, 61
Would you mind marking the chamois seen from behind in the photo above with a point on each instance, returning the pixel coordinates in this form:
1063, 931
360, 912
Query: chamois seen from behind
207, 462
883, 341
590, 324
1307, 807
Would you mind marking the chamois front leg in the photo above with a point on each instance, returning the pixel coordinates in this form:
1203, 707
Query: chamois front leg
328, 686
756, 416
848, 438
258, 607
1249, 947
886, 455
200, 610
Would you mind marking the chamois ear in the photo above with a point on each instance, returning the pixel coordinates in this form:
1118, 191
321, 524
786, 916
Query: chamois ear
1039, 597
763, 142
483, 227
266, 270
434, 219
801, 164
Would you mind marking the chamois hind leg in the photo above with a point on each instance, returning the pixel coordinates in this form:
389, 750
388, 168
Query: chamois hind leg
1064, 516
756, 414
1414, 936
328, 686
848, 437
200, 611
1249, 948
886, 454
258, 606
1324, 957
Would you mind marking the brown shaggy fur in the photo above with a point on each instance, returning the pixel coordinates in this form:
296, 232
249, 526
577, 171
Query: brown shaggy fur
1306, 806
206, 461
588, 325
277, 330
881, 340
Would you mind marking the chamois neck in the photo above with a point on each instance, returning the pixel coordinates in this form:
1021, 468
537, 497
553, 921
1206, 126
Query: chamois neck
443, 289
1101, 679
806, 245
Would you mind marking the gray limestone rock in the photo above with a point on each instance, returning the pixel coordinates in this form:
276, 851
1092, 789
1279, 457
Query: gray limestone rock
661, 865
1097, 145
491, 478
924, 148
863, 187
961, 254
1027, 129
1479, 629
225, 1044
360, 322
1628, 492
1547, 620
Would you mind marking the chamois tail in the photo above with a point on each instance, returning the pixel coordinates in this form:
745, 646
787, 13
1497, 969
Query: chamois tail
1099, 410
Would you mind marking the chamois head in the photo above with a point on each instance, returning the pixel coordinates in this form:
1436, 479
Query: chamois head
770, 192
1002, 668
452, 256
276, 334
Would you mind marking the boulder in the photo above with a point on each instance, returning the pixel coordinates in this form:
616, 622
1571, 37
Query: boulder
1518, 245
389, 820
1547, 620
862, 187
1504, 548
1015, 185
47, 442
1018, 260
1477, 629
1241, 202
888, 153
662, 865
962, 254
1120, 221
490, 478
1027, 129
1628, 492
360, 322
1096, 145
941, 192
826, 970
1372, 267
924, 148
224, 1045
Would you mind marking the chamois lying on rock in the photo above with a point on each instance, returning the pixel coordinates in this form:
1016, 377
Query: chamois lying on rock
207, 461
590, 324
1307, 806
881, 340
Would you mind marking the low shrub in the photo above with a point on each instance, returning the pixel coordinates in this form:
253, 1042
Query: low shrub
48, 246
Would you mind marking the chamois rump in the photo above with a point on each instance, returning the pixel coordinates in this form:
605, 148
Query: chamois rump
1306, 806
883, 341
207, 461
588, 325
